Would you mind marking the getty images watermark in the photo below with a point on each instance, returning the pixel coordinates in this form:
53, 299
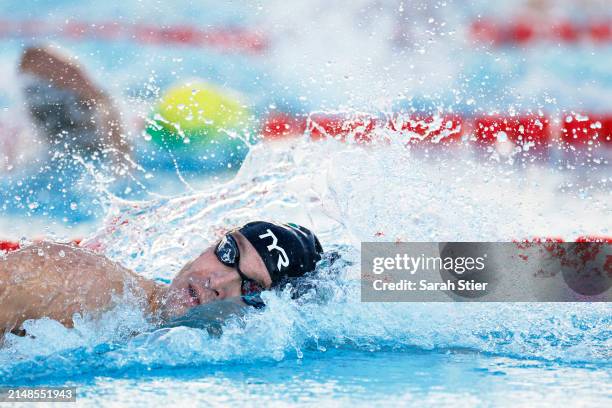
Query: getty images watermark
488, 272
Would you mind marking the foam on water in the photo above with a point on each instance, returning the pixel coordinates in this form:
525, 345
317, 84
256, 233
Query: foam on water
347, 193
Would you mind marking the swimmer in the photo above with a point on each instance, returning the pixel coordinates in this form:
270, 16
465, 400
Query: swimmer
67, 106
57, 280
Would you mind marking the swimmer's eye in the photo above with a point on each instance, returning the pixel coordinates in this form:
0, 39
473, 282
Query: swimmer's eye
228, 253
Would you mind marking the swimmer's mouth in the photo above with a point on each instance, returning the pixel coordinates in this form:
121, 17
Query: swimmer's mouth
193, 294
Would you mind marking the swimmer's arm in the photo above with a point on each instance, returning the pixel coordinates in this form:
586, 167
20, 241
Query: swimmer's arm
57, 281
65, 72
61, 70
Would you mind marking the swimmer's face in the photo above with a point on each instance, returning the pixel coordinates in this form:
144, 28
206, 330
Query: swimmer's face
206, 279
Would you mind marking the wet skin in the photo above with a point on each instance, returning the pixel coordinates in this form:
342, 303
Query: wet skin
58, 280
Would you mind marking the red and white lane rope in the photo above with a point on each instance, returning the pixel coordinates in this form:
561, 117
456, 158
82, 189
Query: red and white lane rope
9, 246
228, 39
524, 31
573, 129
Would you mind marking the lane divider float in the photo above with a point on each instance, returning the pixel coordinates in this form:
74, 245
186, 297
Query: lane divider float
228, 39
523, 31
10, 246
537, 131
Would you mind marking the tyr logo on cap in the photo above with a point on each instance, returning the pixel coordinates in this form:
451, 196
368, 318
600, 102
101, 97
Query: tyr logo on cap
298, 255
283, 260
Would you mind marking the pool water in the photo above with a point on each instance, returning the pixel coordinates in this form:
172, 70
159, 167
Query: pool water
406, 355
360, 378
329, 348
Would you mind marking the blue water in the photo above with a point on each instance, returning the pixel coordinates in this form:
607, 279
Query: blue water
357, 378
355, 356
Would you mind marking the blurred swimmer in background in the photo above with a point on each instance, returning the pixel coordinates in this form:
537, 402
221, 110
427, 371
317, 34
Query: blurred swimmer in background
66, 139
67, 107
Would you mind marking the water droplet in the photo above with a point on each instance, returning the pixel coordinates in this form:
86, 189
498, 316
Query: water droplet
502, 136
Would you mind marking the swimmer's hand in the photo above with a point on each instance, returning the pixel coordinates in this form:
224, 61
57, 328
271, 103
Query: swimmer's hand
210, 316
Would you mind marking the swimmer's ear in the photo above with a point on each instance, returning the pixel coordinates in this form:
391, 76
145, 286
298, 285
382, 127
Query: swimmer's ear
328, 266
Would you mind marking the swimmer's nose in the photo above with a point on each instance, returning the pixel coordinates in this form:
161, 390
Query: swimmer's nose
222, 285
209, 286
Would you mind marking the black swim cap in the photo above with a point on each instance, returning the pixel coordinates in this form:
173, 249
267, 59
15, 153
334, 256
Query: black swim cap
288, 250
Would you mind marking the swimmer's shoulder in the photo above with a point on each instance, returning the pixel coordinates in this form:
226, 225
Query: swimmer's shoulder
50, 251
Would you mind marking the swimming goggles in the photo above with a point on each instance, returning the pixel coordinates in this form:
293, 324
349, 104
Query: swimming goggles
228, 254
